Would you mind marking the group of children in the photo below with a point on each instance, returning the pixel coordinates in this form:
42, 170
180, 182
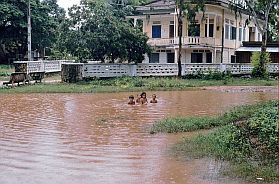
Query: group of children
141, 99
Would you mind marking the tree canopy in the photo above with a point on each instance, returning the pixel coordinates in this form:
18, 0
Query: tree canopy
97, 30
46, 16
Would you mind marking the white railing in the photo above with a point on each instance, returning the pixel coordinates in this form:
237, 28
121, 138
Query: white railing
117, 70
188, 40
47, 66
156, 70
145, 70
201, 68
162, 41
107, 70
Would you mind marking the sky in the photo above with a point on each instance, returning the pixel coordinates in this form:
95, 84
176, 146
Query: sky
67, 3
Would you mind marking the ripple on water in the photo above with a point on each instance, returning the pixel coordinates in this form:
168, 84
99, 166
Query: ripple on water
80, 138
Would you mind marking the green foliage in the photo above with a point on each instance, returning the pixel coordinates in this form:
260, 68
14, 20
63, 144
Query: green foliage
46, 16
171, 125
250, 142
261, 132
96, 30
211, 75
6, 70
259, 61
135, 84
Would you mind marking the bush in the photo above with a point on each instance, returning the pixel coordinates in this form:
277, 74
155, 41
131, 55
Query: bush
260, 132
259, 61
250, 142
212, 75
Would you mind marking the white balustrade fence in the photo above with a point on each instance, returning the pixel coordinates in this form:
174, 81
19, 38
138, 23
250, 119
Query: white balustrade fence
47, 66
145, 70
188, 40
107, 70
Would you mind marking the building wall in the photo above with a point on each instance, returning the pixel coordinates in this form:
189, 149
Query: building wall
221, 17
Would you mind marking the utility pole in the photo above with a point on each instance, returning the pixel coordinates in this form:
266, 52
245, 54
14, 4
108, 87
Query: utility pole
179, 16
29, 32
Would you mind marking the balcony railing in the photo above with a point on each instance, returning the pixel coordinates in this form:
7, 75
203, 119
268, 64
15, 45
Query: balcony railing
188, 40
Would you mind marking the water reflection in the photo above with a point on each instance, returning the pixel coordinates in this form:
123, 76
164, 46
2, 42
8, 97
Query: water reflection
98, 138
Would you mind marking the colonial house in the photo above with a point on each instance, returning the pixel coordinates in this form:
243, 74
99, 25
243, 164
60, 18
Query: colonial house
217, 36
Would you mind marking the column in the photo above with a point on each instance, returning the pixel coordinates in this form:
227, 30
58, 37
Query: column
207, 25
135, 22
175, 55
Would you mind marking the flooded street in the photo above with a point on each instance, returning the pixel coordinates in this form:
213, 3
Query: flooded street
98, 138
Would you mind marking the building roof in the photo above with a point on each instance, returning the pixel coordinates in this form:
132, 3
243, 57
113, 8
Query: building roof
259, 44
167, 6
257, 49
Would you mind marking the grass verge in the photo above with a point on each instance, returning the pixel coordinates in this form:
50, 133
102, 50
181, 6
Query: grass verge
182, 124
248, 139
5, 71
123, 84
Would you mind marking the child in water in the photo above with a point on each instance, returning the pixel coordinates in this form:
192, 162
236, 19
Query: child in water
138, 98
143, 99
131, 100
154, 100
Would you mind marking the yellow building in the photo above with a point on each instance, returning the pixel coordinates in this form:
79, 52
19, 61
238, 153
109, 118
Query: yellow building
217, 34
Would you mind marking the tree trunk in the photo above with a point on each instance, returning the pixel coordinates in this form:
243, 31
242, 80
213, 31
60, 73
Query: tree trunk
180, 39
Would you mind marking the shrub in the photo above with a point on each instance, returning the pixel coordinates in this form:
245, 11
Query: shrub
259, 61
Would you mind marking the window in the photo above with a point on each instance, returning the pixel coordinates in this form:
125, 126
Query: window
171, 31
170, 57
211, 30
156, 31
209, 57
233, 33
233, 59
227, 31
194, 30
196, 57
154, 58
240, 34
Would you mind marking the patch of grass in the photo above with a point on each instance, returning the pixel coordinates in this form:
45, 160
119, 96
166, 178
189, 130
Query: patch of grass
251, 145
5, 71
181, 124
133, 84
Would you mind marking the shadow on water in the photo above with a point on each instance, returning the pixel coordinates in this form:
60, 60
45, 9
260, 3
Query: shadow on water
98, 138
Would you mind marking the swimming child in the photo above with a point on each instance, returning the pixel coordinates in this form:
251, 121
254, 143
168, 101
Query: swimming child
154, 100
131, 100
138, 98
143, 99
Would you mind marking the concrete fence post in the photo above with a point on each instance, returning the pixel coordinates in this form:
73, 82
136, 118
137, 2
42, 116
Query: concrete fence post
223, 67
72, 72
183, 68
133, 70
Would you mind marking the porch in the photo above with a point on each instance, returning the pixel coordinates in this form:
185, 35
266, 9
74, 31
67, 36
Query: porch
186, 41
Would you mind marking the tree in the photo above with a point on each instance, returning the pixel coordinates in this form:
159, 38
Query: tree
13, 26
188, 9
260, 14
96, 31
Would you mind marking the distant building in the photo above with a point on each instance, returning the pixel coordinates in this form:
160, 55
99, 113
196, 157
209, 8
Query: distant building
217, 32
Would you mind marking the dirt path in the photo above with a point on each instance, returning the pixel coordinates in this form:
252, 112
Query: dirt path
237, 89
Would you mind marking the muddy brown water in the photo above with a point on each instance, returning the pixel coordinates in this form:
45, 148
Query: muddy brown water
98, 138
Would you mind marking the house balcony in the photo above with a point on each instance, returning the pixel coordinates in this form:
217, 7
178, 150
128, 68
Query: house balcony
186, 41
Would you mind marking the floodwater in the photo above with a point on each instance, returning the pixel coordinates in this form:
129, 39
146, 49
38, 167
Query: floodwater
98, 138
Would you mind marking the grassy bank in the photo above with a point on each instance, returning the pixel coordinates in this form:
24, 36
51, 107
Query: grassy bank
5, 71
187, 124
135, 84
247, 137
